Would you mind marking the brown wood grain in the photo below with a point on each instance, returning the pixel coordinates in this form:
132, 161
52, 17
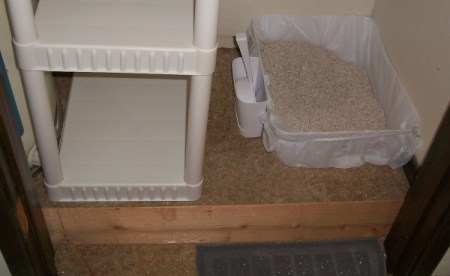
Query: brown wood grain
228, 223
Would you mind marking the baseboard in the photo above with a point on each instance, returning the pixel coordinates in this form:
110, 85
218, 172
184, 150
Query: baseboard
226, 41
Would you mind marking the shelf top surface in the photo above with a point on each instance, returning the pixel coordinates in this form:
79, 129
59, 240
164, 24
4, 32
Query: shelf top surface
165, 24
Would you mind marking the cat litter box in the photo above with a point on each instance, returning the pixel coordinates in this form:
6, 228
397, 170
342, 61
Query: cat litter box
354, 39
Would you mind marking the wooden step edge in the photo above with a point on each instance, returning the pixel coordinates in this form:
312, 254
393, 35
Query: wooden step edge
221, 223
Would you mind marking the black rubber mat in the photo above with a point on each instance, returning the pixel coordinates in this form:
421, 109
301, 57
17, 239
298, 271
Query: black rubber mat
322, 258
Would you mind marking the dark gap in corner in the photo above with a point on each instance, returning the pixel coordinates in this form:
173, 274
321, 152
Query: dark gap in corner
411, 168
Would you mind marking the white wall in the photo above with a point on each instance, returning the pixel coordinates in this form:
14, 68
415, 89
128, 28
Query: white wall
416, 35
4, 271
235, 15
15, 81
14, 77
443, 269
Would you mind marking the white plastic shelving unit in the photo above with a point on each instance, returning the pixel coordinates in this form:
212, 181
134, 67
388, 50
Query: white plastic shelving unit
133, 136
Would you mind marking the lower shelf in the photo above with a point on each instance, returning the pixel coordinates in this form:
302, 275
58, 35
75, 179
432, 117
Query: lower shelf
124, 139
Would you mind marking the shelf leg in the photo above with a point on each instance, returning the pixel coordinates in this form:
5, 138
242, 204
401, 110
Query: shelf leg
205, 25
199, 95
44, 131
21, 18
24, 32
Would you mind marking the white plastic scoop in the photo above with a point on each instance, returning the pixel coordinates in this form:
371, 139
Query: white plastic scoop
241, 39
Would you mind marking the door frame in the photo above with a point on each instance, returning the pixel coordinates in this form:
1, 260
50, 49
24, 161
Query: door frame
420, 235
25, 242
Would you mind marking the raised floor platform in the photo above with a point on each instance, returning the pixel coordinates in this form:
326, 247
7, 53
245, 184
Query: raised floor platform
248, 195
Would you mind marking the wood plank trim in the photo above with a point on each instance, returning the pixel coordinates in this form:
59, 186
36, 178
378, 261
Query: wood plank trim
231, 223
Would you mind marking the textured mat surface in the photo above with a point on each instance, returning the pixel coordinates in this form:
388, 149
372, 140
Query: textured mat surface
322, 258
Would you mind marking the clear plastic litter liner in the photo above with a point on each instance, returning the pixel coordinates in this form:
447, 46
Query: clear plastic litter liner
355, 39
